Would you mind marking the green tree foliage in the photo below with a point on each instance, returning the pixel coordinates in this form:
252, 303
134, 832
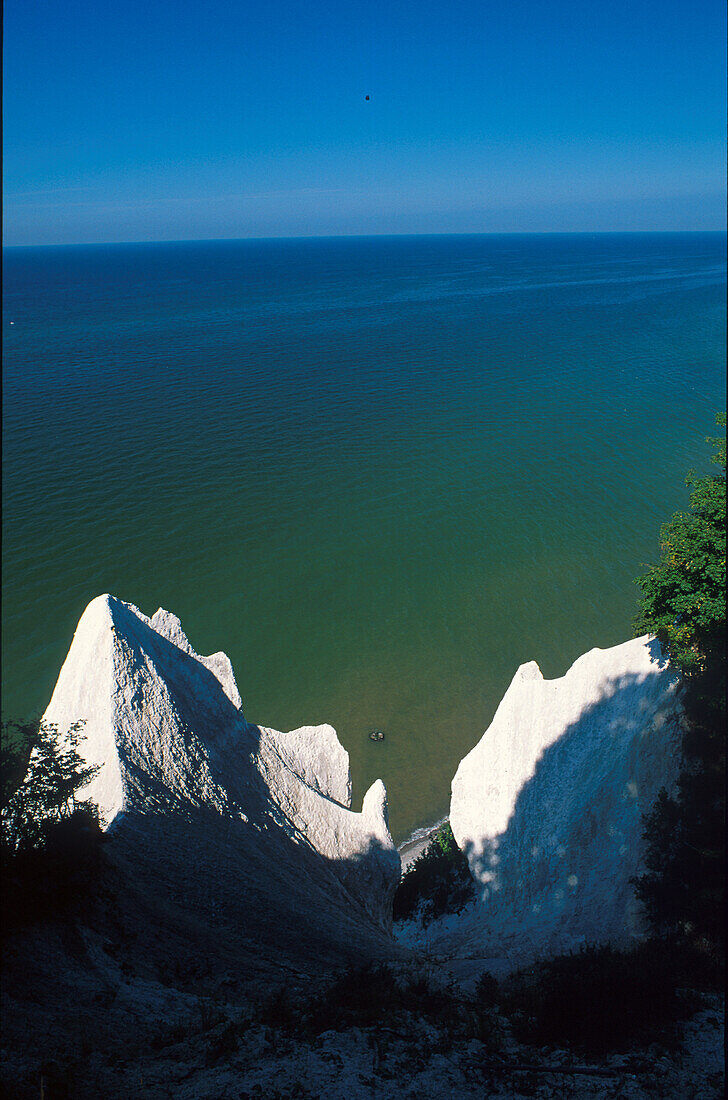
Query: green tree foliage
16, 741
50, 847
56, 772
683, 603
438, 882
683, 600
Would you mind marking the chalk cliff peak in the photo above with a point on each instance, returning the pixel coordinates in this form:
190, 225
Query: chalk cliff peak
165, 728
548, 805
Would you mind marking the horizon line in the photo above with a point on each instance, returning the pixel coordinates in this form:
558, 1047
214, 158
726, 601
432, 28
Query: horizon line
369, 236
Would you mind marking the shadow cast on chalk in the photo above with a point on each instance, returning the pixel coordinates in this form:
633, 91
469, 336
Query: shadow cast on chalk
559, 874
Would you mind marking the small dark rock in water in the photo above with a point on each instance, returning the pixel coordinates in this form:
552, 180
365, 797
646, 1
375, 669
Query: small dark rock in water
376, 735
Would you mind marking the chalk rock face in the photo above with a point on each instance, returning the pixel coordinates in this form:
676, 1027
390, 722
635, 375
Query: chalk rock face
548, 805
175, 756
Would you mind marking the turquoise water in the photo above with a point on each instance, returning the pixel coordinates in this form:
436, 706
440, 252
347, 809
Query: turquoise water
379, 473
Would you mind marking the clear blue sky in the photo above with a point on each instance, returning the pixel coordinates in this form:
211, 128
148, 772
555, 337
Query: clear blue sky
169, 119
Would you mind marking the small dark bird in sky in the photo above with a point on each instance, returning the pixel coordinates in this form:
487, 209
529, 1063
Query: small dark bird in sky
366, 97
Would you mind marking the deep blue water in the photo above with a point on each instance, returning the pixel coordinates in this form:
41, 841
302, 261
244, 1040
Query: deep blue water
378, 472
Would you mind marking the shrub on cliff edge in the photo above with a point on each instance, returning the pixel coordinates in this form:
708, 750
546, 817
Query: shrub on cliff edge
683, 603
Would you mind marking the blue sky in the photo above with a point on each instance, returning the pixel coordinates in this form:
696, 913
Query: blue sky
129, 120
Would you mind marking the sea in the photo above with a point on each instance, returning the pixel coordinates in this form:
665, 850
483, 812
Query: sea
380, 473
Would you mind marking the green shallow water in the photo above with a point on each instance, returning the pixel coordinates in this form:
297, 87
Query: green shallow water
379, 473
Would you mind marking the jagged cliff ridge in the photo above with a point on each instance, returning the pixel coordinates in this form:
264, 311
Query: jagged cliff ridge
244, 829
235, 865
548, 806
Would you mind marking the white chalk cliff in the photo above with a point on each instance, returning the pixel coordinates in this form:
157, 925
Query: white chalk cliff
236, 813
234, 869
226, 825
548, 805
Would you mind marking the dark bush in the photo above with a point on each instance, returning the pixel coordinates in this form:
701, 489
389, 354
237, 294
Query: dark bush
438, 882
54, 878
361, 997
598, 1000
373, 996
487, 990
